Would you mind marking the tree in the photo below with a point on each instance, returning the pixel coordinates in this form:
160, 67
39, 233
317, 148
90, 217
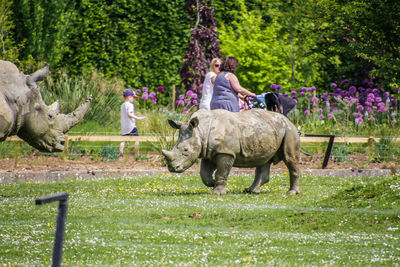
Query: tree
203, 46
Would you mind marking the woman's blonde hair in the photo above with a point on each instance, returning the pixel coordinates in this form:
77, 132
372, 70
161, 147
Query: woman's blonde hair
212, 64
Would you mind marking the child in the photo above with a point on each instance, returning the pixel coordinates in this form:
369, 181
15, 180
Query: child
128, 125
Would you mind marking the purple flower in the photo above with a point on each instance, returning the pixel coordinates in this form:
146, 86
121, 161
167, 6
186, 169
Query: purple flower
286, 94
194, 95
360, 108
181, 96
293, 92
357, 115
367, 103
394, 121
320, 110
194, 102
273, 86
278, 87
160, 89
145, 96
185, 111
314, 105
187, 101
321, 116
371, 118
180, 102
330, 115
145, 89
352, 90
314, 99
346, 81
304, 89
333, 85
189, 93
306, 111
396, 90
138, 91
154, 101
358, 121
302, 93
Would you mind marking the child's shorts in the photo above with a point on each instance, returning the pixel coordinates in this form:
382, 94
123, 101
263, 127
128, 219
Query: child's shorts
134, 132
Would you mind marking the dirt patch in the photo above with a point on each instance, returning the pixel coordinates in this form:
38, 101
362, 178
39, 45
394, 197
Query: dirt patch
152, 161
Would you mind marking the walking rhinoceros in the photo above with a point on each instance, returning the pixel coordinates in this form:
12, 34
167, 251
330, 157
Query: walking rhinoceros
24, 113
222, 139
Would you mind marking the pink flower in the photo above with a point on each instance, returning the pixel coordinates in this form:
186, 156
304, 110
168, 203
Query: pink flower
330, 115
138, 91
394, 121
145, 89
306, 111
160, 89
314, 99
194, 102
194, 95
321, 116
189, 93
187, 101
314, 105
320, 110
181, 96
185, 111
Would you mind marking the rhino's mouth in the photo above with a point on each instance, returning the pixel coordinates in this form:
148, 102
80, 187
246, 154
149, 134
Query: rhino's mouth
177, 169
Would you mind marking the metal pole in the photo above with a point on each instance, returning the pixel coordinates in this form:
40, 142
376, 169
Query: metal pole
328, 149
61, 218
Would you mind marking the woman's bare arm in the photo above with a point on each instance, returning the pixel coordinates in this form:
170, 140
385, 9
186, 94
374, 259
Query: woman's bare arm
236, 85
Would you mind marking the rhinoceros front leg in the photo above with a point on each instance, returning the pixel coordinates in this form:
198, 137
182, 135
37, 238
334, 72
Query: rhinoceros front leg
207, 168
224, 165
262, 177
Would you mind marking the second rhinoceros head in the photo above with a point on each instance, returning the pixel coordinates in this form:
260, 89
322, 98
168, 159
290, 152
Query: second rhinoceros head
24, 113
188, 147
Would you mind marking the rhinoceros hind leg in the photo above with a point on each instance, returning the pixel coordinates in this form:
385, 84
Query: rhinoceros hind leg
262, 177
224, 165
207, 168
292, 154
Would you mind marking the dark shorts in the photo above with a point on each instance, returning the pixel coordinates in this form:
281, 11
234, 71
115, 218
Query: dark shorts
134, 132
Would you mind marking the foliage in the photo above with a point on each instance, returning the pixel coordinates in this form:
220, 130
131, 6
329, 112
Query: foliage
43, 27
8, 50
110, 153
174, 220
72, 91
203, 46
141, 42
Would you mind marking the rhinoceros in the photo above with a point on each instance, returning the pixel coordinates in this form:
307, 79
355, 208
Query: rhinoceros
24, 113
223, 139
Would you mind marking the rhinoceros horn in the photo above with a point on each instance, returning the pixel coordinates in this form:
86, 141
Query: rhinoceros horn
40, 74
167, 154
67, 121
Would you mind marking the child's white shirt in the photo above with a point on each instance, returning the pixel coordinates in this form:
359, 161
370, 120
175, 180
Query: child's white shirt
127, 124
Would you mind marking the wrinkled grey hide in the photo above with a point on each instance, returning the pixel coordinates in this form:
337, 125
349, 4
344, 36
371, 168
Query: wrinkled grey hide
24, 113
223, 139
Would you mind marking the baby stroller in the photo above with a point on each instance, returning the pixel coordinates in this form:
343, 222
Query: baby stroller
273, 102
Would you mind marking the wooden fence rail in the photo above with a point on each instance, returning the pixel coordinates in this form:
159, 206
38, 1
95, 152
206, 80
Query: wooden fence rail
137, 139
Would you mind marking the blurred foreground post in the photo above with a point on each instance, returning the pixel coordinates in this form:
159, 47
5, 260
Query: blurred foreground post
62, 197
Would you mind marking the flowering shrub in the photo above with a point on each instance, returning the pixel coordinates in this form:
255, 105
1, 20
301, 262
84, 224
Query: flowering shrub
361, 104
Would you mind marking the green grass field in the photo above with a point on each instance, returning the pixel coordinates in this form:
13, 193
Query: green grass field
173, 220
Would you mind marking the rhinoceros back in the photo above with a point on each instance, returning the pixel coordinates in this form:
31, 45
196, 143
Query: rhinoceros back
249, 135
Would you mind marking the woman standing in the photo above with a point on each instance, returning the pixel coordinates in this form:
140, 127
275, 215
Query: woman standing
208, 84
227, 87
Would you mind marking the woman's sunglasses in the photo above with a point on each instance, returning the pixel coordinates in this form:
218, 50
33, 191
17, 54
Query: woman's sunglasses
217, 65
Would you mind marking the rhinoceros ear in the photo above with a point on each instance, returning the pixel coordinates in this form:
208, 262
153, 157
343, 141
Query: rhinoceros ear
175, 124
194, 122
